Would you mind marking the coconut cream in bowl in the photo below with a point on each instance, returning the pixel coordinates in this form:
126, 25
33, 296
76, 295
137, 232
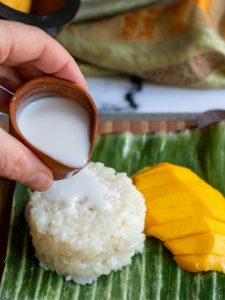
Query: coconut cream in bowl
57, 120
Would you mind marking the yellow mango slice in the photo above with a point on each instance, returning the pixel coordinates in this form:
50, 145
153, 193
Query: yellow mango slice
186, 213
170, 207
176, 187
167, 187
200, 263
184, 197
186, 227
158, 216
204, 243
20, 5
164, 173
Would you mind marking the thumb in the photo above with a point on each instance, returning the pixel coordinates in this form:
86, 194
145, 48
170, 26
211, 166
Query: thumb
19, 163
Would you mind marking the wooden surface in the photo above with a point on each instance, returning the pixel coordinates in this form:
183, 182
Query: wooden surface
146, 126
106, 126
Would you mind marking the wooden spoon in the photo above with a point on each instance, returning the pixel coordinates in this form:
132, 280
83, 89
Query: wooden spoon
45, 87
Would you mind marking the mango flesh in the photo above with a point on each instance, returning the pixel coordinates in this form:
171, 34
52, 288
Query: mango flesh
188, 197
186, 213
204, 243
170, 191
20, 5
164, 173
173, 213
186, 227
173, 188
200, 263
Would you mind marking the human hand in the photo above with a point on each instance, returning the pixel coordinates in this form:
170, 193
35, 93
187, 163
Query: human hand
27, 52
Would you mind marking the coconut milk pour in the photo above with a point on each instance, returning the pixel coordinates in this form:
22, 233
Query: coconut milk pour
58, 127
84, 187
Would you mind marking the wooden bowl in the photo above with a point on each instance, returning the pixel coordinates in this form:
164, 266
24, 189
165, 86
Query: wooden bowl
45, 87
49, 15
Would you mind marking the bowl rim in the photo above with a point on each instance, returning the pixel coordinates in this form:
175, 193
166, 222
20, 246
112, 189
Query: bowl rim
57, 18
24, 96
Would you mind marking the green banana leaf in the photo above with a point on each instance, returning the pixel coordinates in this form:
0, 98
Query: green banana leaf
152, 275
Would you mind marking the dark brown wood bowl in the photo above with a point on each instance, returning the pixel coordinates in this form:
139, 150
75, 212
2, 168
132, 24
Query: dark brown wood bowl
45, 87
49, 15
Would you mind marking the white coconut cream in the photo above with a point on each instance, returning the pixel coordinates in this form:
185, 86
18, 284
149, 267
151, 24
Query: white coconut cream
58, 127
85, 187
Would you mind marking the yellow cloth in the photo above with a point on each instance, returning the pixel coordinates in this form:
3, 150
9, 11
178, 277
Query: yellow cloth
179, 44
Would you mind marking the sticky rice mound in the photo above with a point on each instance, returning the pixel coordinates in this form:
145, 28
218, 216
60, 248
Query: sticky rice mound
82, 242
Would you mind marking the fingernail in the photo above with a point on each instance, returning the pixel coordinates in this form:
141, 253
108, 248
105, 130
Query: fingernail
40, 182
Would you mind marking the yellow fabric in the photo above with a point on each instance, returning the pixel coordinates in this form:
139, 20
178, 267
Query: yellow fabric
179, 44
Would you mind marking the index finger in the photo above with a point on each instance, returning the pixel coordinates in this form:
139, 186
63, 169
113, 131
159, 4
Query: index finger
21, 43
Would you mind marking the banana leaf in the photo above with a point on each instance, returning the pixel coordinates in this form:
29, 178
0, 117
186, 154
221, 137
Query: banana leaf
153, 274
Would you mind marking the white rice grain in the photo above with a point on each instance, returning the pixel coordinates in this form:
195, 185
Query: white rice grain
88, 242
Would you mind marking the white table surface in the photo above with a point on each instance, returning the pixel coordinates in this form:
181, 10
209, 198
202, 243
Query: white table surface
110, 96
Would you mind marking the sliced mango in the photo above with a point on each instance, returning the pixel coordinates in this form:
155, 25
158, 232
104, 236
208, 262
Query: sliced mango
200, 263
204, 243
158, 216
184, 197
186, 213
164, 173
167, 186
174, 188
186, 227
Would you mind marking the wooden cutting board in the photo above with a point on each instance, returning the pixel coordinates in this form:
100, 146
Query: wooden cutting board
108, 124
